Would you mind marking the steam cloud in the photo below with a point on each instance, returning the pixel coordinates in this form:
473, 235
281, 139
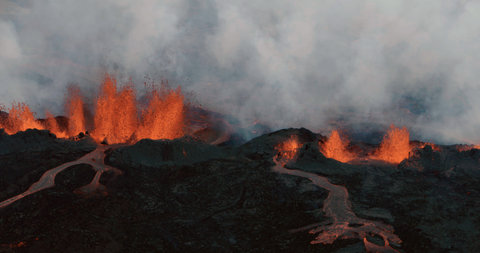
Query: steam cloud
285, 63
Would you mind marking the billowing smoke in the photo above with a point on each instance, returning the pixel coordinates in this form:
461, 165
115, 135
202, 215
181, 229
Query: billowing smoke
285, 63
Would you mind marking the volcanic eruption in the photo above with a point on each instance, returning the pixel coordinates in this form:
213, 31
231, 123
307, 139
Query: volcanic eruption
117, 118
395, 146
336, 148
344, 224
163, 141
221, 126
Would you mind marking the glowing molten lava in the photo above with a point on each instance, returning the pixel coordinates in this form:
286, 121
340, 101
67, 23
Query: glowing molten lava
164, 117
395, 146
336, 148
75, 112
342, 222
115, 113
288, 149
52, 125
20, 118
117, 118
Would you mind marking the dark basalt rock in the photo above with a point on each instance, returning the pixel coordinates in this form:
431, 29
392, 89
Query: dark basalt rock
155, 153
33, 140
74, 177
218, 199
263, 147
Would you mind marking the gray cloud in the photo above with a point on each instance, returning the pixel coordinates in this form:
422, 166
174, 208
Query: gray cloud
285, 63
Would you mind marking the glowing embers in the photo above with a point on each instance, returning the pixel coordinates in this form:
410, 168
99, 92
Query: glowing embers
395, 146
336, 148
288, 149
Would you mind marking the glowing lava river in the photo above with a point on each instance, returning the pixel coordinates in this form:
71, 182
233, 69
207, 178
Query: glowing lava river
47, 180
344, 223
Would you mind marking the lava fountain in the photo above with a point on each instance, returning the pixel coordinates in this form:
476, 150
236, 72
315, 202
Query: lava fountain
117, 116
20, 118
336, 148
75, 112
395, 146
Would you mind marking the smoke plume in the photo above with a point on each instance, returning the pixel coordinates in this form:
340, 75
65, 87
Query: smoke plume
285, 63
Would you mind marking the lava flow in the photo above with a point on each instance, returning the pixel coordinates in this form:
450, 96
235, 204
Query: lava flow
117, 118
47, 180
395, 146
336, 148
343, 224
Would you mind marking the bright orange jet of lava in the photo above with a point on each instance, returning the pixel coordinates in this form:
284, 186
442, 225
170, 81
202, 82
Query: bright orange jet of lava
20, 118
116, 118
336, 148
116, 114
395, 146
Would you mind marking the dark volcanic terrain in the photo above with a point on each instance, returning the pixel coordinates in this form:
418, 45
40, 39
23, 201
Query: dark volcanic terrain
189, 196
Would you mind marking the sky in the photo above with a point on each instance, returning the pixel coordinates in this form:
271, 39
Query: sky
312, 63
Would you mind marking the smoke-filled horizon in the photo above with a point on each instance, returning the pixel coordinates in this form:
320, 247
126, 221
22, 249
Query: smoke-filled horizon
284, 63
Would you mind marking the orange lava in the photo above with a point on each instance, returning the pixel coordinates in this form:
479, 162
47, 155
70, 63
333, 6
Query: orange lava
20, 118
336, 148
288, 149
395, 146
75, 112
164, 118
115, 113
117, 118
52, 125
434, 147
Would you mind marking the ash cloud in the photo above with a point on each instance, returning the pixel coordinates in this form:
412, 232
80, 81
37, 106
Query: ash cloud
287, 64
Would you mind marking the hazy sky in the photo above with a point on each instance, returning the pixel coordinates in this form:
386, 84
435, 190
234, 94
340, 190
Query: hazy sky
285, 63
